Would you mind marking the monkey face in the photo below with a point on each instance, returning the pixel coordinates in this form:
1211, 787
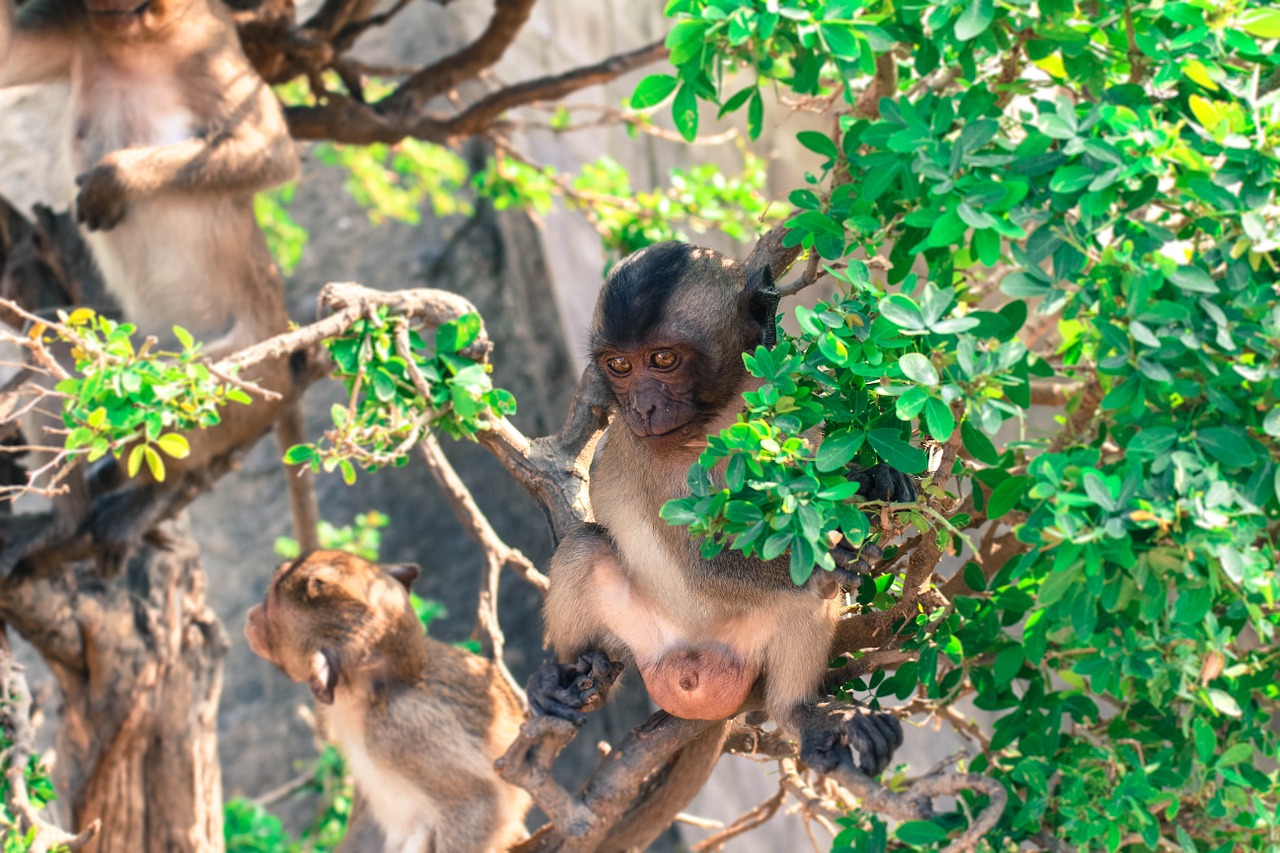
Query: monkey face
128, 20
657, 388
326, 613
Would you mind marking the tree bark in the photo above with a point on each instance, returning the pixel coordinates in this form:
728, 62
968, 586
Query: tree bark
138, 658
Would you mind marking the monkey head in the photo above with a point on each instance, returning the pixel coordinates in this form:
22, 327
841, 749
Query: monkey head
330, 613
669, 331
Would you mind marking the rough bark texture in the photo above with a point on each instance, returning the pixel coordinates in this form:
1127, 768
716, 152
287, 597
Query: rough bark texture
139, 661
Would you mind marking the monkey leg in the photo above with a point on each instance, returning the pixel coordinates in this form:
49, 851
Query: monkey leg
832, 733
565, 690
882, 483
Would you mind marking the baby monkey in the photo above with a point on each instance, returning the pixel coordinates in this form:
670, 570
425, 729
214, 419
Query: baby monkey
419, 722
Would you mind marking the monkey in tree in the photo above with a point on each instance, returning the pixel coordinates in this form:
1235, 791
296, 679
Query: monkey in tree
670, 328
419, 722
171, 134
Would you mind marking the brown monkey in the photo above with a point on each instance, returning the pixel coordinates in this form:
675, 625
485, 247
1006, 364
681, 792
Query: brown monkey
419, 722
171, 134
668, 335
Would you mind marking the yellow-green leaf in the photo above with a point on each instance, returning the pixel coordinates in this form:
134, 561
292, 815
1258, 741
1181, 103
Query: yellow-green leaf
175, 445
135, 461
1207, 112
1196, 72
154, 463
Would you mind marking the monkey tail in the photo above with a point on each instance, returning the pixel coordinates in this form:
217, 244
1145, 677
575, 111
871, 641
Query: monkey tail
668, 791
290, 430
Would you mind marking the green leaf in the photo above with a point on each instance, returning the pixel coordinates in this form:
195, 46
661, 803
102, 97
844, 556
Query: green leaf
974, 578
684, 112
1261, 22
918, 368
975, 19
838, 449
742, 512
841, 39
1205, 739
299, 453
1228, 445
457, 335
1007, 664
184, 337
819, 143
1005, 496
755, 115
921, 832
1193, 279
939, 419
896, 453
1235, 754
653, 90
978, 445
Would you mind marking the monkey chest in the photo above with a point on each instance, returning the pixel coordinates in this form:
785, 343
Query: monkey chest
126, 108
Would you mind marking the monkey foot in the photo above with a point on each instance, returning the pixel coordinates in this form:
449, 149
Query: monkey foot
882, 483
565, 690
834, 732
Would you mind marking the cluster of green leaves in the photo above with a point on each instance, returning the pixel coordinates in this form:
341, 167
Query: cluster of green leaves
805, 45
700, 199
1123, 161
248, 827
399, 393
135, 401
847, 392
39, 790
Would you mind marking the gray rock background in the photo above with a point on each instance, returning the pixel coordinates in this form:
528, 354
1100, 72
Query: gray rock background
534, 280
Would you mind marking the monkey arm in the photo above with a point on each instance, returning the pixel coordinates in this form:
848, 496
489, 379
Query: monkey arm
31, 52
249, 151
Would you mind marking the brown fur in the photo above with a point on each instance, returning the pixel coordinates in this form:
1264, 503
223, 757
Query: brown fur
172, 133
420, 722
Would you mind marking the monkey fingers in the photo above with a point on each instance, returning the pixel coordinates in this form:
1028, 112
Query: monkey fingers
565, 690
100, 204
838, 732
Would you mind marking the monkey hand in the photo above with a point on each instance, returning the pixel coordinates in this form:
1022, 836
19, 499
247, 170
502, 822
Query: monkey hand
565, 690
834, 732
882, 483
852, 562
100, 204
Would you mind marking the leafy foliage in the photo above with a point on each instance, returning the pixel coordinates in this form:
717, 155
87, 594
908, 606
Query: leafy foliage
134, 401
399, 388
1114, 173
39, 790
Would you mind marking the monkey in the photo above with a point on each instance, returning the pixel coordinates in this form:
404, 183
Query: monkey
709, 637
419, 722
171, 134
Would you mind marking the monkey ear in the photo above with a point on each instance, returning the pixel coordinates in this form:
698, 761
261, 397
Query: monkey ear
324, 676
406, 573
759, 305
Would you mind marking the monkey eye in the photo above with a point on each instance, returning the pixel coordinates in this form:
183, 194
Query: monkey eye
618, 366
664, 359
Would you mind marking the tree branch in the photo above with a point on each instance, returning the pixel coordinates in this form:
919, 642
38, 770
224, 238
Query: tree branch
916, 801
345, 119
15, 719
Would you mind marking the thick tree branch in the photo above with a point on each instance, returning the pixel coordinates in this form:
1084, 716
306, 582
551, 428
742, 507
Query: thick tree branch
344, 119
509, 16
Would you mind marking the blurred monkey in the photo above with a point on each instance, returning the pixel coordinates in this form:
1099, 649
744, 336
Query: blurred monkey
171, 134
419, 722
